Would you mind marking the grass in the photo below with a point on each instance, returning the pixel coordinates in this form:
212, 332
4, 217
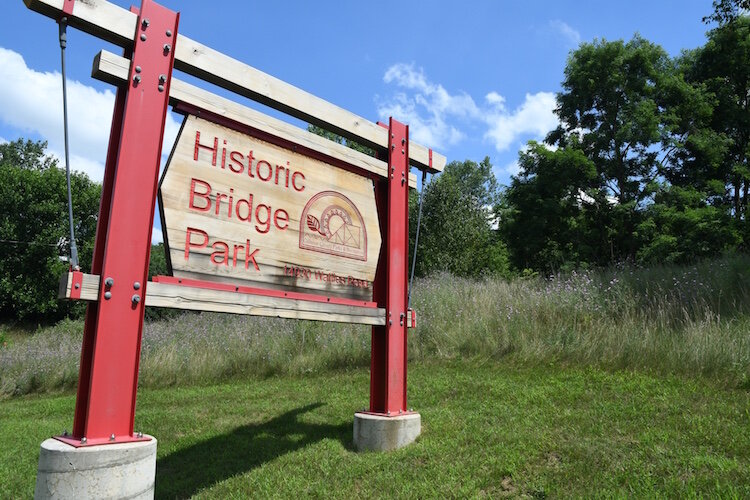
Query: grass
691, 320
489, 429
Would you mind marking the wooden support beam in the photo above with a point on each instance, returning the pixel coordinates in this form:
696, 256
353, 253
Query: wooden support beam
203, 299
111, 68
117, 25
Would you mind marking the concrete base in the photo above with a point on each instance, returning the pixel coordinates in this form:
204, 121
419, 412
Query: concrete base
126, 470
380, 433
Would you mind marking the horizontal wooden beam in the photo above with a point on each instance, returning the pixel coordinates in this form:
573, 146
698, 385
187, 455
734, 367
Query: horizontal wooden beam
117, 25
224, 301
111, 68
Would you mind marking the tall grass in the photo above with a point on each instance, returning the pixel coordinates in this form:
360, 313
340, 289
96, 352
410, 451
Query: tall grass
692, 320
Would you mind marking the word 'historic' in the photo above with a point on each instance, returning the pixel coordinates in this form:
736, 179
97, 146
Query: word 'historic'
263, 169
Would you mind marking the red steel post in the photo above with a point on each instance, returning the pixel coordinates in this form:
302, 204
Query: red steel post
105, 405
388, 362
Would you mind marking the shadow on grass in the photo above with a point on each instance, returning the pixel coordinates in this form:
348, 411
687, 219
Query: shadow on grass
185, 472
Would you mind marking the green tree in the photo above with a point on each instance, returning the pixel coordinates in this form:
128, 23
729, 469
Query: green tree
34, 229
611, 103
546, 207
457, 222
726, 11
680, 226
722, 67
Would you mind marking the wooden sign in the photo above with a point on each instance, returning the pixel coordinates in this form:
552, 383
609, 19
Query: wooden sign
238, 209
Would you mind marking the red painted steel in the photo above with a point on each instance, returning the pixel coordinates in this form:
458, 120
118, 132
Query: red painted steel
67, 7
75, 284
105, 407
388, 363
265, 292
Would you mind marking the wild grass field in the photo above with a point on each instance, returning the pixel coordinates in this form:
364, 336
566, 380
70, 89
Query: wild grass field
692, 320
626, 382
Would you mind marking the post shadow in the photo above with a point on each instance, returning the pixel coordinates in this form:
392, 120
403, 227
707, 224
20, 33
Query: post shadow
185, 472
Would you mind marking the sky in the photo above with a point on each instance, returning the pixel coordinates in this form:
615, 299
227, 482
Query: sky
472, 79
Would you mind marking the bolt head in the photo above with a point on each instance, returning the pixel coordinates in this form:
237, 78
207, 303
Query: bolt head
136, 285
140, 434
112, 437
78, 285
145, 23
136, 298
107, 295
143, 37
169, 32
83, 440
137, 69
161, 88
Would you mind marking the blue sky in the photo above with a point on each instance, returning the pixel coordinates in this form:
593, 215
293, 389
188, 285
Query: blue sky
472, 79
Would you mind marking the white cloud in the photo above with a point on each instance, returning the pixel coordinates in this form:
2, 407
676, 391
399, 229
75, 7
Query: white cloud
563, 29
435, 116
535, 117
3, 140
428, 109
31, 101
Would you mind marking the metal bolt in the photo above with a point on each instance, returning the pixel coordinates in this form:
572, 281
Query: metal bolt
136, 285
389, 321
107, 295
112, 437
78, 285
162, 78
109, 281
83, 440
388, 413
167, 48
65, 432
411, 409
137, 69
169, 32
136, 298
161, 88
403, 141
137, 79
143, 37
145, 23
400, 412
402, 151
140, 434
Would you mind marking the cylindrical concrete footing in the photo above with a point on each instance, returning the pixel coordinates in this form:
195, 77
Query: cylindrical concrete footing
125, 470
383, 433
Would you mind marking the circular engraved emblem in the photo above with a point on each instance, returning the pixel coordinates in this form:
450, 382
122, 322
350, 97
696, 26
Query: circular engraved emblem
331, 224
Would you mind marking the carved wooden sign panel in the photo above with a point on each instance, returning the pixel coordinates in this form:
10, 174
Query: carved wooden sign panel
238, 209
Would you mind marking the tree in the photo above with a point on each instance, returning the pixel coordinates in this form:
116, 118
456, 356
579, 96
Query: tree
34, 229
546, 208
457, 223
611, 101
726, 11
722, 67
680, 227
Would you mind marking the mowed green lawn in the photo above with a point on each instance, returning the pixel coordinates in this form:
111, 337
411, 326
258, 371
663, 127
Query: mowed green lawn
488, 429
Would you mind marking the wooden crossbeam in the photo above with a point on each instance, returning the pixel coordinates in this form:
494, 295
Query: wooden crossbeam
117, 25
224, 301
111, 68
